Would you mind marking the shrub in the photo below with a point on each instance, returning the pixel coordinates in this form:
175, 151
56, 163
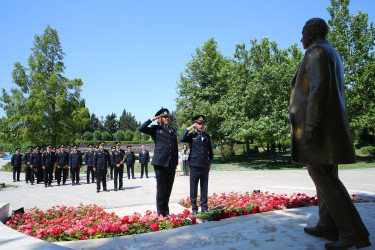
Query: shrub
88, 136
120, 135
97, 135
368, 150
129, 135
106, 136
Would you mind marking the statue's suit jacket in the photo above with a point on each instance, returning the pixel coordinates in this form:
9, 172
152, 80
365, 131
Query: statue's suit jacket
318, 99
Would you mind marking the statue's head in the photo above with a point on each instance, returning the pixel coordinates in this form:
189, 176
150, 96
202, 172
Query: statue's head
314, 29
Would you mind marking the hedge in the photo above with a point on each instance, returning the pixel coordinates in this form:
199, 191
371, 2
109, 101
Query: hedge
368, 150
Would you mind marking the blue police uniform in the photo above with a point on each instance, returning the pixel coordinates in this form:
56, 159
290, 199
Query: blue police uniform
16, 163
144, 159
36, 163
48, 162
199, 160
89, 160
61, 168
75, 163
165, 160
130, 160
117, 156
101, 161
29, 174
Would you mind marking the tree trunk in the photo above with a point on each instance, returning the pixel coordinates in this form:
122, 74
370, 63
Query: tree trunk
247, 147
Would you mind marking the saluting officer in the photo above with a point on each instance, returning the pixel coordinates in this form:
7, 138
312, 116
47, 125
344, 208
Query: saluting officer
36, 164
62, 165
16, 163
117, 162
200, 161
89, 160
101, 161
129, 161
48, 162
75, 163
165, 157
27, 161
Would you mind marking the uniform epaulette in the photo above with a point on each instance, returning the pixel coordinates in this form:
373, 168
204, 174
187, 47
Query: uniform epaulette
42, 154
110, 153
190, 132
94, 153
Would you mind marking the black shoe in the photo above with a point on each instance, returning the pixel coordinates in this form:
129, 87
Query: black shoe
32, 183
73, 184
50, 185
115, 189
194, 212
105, 190
141, 177
98, 191
343, 243
78, 183
88, 182
146, 176
314, 231
133, 178
14, 180
45, 186
58, 184
129, 178
204, 211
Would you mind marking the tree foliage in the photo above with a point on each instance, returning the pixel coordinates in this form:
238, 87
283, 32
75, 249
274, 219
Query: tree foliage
45, 106
128, 121
353, 36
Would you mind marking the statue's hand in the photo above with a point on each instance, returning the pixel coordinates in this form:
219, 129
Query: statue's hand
308, 134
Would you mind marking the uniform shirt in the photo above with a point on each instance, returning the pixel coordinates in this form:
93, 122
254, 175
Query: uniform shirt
89, 158
165, 138
75, 159
130, 158
201, 153
48, 159
116, 156
101, 159
27, 157
36, 159
144, 157
62, 158
16, 160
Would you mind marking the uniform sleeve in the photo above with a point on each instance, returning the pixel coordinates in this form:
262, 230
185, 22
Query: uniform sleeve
43, 160
70, 160
94, 160
186, 136
12, 160
210, 151
147, 130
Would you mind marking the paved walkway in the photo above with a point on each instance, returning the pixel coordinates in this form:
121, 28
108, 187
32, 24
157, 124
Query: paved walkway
272, 230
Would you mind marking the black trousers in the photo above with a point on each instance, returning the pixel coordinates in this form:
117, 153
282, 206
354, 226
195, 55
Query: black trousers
16, 173
28, 173
128, 168
119, 173
337, 212
164, 183
32, 175
199, 174
75, 174
101, 176
90, 170
65, 173
111, 172
39, 174
144, 169
47, 175
186, 167
58, 172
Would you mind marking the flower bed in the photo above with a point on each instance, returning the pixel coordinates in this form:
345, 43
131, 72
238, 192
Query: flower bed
61, 223
236, 204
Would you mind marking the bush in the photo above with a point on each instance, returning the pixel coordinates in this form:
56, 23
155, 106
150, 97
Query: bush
120, 135
78, 142
106, 136
368, 150
97, 135
129, 135
11, 147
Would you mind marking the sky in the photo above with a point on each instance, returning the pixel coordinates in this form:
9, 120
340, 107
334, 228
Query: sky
130, 54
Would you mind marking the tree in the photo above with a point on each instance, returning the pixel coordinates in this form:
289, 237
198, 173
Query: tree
128, 121
129, 134
354, 38
95, 124
137, 136
120, 135
106, 136
88, 136
97, 135
42, 106
204, 82
111, 123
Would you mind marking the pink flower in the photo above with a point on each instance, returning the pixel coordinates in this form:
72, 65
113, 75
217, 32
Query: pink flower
154, 226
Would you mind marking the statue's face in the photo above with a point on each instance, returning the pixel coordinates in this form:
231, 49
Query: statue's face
306, 37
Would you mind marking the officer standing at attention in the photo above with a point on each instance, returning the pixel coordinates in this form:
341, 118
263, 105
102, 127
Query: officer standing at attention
48, 162
89, 160
110, 173
101, 161
144, 158
165, 157
36, 164
62, 163
117, 162
16, 163
27, 161
75, 163
200, 161
129, 161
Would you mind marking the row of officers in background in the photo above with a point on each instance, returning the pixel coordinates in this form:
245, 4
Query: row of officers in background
41, 163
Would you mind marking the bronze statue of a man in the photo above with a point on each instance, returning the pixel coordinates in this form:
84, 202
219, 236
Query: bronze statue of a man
321, 137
